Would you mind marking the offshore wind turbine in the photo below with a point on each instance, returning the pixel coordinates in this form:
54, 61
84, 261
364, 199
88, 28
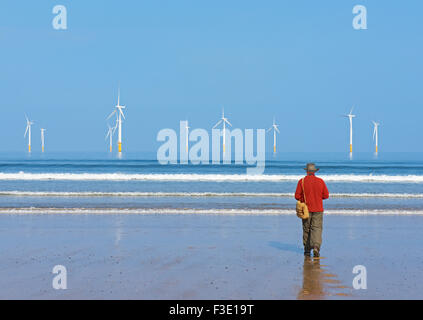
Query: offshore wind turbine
28, 130
42, 139
110, 132
350, 116
375, 134
275, 129
224, 121
119, 114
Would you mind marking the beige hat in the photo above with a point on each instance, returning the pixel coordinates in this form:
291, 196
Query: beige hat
311, 167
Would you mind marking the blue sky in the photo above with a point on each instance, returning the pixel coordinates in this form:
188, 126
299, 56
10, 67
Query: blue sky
300, 61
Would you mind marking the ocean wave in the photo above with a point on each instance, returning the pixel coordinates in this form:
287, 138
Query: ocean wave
173, 211
195, 194
207, 177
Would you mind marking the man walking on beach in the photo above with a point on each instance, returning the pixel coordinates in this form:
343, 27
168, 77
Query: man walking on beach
315, 192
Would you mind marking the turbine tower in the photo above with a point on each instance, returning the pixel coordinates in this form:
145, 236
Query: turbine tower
275, 129
187, 127
375, 134
120, 114
42, 139
223, 120
28, 130
350, 116
110, 133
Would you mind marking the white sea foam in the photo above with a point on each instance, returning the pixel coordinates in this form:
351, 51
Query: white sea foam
207, 177
195, 194
164, 211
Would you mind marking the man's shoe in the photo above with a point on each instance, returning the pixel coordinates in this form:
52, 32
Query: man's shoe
316, 252
307, 252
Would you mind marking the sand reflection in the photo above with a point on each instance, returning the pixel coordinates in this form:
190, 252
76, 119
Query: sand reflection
318, 283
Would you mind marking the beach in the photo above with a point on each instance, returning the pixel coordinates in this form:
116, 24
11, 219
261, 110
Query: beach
207, 256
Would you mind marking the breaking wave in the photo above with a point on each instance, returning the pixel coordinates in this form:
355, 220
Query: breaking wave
207, 177
195, 194
158, 211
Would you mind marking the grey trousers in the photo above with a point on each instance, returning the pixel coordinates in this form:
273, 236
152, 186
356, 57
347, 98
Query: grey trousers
312, 231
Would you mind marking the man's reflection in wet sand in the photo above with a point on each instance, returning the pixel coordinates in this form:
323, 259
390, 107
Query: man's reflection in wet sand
317, 283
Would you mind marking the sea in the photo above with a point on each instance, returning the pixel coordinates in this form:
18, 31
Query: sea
135, 183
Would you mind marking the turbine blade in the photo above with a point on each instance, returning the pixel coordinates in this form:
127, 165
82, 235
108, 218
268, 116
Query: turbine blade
26, 131
110, 115
269, 129
226, 120
217, 124
121, 112
277, 130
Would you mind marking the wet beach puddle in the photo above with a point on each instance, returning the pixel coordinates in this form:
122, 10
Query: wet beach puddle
318, 283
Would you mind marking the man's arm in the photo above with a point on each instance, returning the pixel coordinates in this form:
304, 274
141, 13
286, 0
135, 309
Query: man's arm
299, 191
325, 193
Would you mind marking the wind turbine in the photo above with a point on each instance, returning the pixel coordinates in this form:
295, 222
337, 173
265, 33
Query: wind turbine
375, 134
275, 129
120, 114
110, 133
223, 120
42, 139
28, 130
351, 116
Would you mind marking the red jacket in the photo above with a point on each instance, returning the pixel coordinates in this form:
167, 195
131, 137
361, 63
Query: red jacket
315, 190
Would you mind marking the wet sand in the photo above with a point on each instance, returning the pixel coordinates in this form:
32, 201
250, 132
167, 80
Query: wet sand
207, 257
